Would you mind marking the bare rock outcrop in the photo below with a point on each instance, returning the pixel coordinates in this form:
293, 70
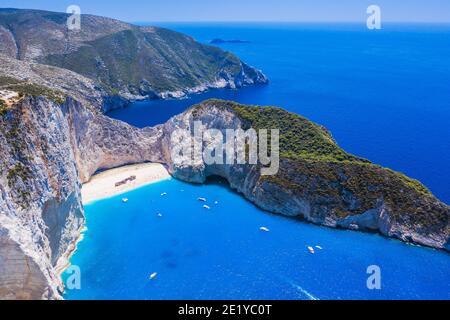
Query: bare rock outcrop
40, 203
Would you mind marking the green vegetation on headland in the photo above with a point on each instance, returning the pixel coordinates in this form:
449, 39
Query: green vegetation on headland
3, 108
18, 171
140, 62
27, 89
5, 81
314, 166
121, 57
17, 177
299, 137
34, 90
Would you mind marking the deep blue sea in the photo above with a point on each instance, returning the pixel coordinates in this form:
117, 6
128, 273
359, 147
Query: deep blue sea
385, 95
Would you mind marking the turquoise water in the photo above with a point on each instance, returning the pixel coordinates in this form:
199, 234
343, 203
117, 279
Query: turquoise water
384, 95
222, 254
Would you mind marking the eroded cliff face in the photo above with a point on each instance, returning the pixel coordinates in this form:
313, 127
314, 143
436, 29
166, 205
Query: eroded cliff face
100, 142
352, 195
47, 151
40, 203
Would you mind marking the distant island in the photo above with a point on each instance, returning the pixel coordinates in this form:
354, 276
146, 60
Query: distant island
220, 41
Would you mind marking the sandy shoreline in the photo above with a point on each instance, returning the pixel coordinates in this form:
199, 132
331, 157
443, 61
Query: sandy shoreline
103, 185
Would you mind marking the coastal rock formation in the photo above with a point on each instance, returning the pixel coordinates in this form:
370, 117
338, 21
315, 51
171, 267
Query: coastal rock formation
40, 203
50, 144
21, 76
47, 151
317, 181
128, 61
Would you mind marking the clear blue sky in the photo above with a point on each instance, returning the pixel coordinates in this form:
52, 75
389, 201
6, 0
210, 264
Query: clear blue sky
249, 10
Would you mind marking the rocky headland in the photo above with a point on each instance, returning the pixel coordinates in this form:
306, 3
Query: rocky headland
317, 181
126, 61
54, 136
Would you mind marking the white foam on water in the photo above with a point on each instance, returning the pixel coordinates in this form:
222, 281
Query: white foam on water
296, 286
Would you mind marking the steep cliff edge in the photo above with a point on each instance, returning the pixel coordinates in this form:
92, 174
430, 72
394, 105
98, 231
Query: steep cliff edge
40, 205
126, 60
51, 143
47, 150
317, 180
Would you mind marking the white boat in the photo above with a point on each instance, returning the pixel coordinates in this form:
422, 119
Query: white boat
216, 202
164, 194
319, 247
311, 249
206, 207
125, 200
159, 214
153, 275
265, 229
202, 199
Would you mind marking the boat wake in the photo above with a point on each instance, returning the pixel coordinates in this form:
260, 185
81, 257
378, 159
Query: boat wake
308, 295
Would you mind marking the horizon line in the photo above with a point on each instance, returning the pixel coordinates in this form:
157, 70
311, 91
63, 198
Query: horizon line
280, 21
238, 21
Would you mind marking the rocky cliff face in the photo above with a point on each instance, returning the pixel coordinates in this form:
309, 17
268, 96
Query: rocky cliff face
317, 181
47, 151
41, 211
53, 137
126, 60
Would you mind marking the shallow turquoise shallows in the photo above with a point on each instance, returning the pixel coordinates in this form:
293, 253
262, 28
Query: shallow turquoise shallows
221, 253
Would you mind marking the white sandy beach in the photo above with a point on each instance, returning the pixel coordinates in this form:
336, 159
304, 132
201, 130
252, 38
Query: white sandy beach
103, 185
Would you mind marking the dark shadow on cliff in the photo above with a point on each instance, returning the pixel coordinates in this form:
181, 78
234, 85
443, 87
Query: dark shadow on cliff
222, 182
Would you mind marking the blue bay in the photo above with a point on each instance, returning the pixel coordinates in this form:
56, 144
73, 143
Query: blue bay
221, 253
